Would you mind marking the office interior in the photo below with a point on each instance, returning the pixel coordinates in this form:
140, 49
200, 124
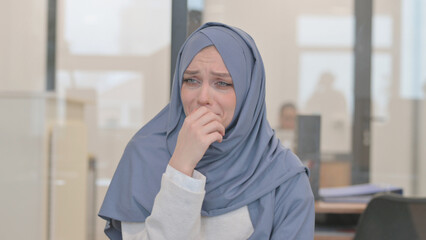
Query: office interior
78, 78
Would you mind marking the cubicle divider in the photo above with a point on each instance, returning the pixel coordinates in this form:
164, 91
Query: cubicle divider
308, 147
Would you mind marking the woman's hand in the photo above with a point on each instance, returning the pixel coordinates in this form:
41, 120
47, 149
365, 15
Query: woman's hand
200, 129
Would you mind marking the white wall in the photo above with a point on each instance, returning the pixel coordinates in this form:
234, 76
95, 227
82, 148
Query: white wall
23, 34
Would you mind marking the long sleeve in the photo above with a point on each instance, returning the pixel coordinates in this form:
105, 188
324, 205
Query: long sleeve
176, 210
297, 207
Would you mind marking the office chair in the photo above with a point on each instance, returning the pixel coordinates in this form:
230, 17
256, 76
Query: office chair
393, 217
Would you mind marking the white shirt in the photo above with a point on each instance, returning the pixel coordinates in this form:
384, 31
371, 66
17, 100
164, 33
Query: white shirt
176, 214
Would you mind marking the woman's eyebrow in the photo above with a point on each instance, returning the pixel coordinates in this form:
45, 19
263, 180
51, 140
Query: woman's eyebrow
220, 74
191, 72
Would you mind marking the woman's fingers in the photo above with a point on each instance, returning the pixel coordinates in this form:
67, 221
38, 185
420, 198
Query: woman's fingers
214, 126
214, 137
196, 114
203, 116
199, 130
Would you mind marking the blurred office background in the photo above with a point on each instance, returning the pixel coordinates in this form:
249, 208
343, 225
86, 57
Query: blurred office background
78, 78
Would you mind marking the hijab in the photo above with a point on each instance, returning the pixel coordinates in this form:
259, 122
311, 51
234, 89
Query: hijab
244, 169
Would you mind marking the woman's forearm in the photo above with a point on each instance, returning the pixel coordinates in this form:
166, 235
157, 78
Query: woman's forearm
176, 210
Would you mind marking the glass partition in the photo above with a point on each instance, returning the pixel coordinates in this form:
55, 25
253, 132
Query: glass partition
398, 155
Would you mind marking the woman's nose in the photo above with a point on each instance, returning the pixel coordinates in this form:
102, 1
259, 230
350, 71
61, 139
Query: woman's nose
204, 97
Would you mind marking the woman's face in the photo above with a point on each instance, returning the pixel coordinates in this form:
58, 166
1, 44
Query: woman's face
207, 82
288, 118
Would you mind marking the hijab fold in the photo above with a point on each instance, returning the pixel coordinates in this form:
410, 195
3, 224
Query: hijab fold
245, 168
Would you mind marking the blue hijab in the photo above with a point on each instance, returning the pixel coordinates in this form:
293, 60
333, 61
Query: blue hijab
244, 169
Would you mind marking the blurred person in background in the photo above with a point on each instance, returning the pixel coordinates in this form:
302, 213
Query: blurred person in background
286, 130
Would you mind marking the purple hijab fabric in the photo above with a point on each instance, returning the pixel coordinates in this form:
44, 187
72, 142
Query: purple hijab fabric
248, 166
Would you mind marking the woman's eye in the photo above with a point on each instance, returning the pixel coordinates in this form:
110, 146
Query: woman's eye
223, 84
190, 82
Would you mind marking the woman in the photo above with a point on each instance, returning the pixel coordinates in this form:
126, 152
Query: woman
209, 166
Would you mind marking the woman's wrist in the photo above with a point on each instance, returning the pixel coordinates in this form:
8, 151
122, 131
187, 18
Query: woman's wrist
181, 166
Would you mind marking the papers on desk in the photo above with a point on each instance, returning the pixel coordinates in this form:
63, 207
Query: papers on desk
361, 193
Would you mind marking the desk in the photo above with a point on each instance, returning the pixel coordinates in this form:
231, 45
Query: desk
342, 208
327, 208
